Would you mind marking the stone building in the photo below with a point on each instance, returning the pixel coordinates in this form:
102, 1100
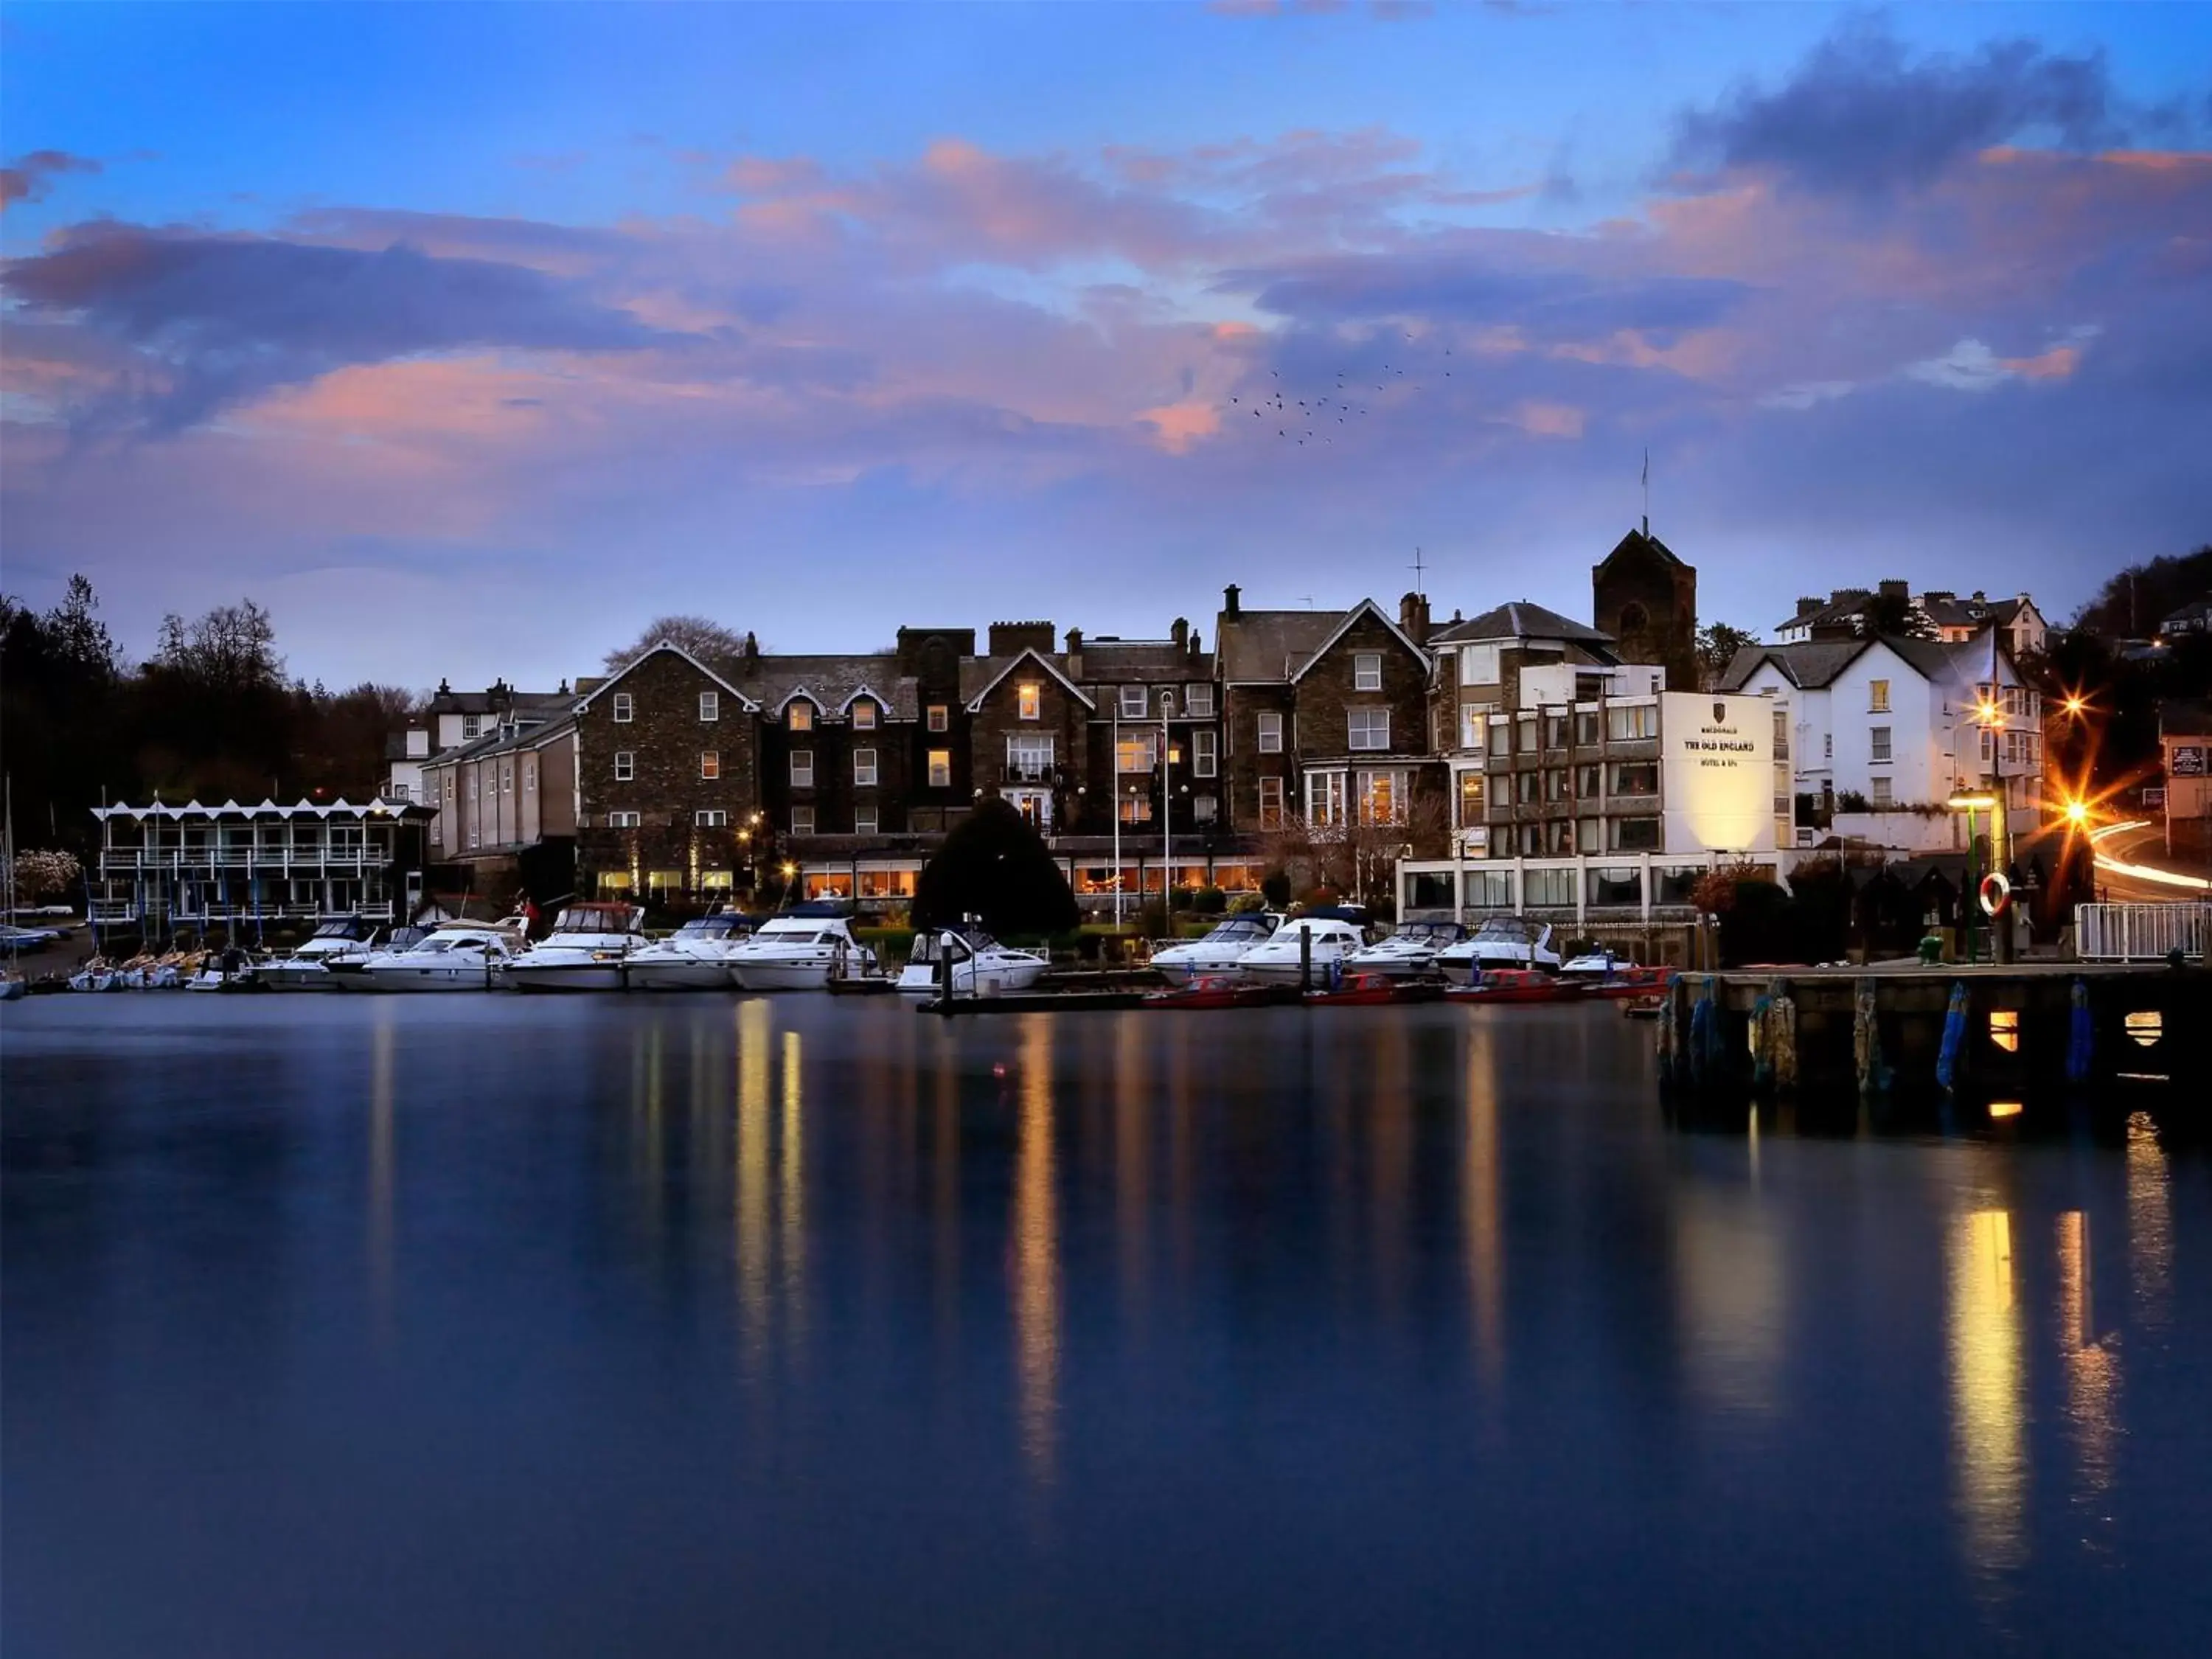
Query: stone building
1645, 599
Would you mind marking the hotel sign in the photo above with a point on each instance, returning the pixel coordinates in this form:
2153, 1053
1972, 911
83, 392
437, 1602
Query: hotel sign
1716, 766
2187, 761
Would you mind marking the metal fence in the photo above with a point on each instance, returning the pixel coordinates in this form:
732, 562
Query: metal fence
2140, 933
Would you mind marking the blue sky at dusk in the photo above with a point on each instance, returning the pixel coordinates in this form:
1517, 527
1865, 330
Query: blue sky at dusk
469, 338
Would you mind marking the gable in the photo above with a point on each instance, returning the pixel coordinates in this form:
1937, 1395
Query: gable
1028, 655
1353, 619
666, 648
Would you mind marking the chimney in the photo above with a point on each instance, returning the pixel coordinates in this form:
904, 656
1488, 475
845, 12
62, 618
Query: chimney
1196, 649
1806, 606
1179, 631
1228, 600
1413, 618
1900, 590
1010, 638
1075, 653
753, 650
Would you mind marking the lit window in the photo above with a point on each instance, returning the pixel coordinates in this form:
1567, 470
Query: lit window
1327, 797
1369, 728
1198, 700
800, 716
1029, 757
1136, 809
1878, 743
1471, 724
940, 767
711, 817
1029, 701
1382, 798
864, 767
1367, 671
625, 708
615, 881
1136, 754
863, 820
1878, 697
864, 715
940, 717
1271, 803
624, 820
625, 765
1470, 799
1205, 761
710, 707
802, 820
1270, 734
1132, 703
710, 763
1631, 722
802, 768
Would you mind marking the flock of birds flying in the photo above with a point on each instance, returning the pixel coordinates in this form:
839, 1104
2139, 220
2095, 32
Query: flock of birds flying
1307, 420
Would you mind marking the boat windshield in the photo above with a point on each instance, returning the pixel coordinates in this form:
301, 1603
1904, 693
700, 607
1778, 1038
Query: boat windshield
709, 927
341, 927
1428, 933
794, 932
596, 919
1510, 930
1240, 931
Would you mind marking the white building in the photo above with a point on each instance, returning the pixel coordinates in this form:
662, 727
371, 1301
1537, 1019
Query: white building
1884, 732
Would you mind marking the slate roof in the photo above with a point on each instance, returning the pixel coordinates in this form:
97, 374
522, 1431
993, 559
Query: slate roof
979, 674
495, 700
1154, 662
1272, 645
1519, 620
1629, 544
1843, 606
833, 682
1816, 663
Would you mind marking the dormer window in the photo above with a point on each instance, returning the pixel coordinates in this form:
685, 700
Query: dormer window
864, 715
799, 717
1029, 700
625, 708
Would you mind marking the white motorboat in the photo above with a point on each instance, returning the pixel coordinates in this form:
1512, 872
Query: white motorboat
347, 970
1280, 959
308, 968
588, 949
232, 969
694, 958
457, 956
979, 964
1409, 953
802, 949
1500, 942
1216, 953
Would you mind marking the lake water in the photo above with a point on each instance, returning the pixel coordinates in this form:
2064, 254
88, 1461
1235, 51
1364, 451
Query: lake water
435, 1326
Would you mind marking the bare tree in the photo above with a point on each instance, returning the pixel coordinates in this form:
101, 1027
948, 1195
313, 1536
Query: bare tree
704, 638
1358, 860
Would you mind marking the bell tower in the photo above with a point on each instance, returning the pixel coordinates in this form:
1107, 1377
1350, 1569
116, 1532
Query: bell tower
1647, 599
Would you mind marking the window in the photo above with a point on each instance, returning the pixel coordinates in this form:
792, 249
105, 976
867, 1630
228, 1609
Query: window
1367, 671
799, 717
506, 777
1501, 739
1270, 734
1524, 735
1555, 783
1782, 734
1205, 759
1635, 836
864, 767
449, 787
940, 717
887, 883
1471, 724
711, 817
1878, 697
1616, 888
1884, 791
1381, 797
710, 707
472, 835
802, 768
1136, 809
1369, 728
1204, 808
625, 765
472, 786
1555, 730
1029, 701
1827, 746
710, 763
1586, 728
1137, 754
625, 708
1631, 723
471, 727
1198, 700
1327, 796
1588, 784
529, 776
1635, 778
1529, 787
396, 791
802, 820
863, 820
615, 881
1478, 665
940, 769
1488, 889
1878, 743
1132, 703
1532, 840
1470, 799
1029, 757
1589, 834
624, 820
1549, 889
1271, 803
864, 715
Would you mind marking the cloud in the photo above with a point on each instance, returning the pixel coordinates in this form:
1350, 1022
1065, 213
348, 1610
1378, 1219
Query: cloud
1862, 115
27, 180
1971, 365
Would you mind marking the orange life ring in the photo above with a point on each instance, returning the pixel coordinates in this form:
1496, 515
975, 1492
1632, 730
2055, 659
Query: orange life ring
1996, 893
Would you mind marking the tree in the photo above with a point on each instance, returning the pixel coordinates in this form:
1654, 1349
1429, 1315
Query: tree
78, 639
2132, 605
705, 638
1718, 644
1890, 614
994, 865
231, 648
38, 873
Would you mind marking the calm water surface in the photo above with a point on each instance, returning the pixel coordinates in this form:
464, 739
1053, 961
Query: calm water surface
696, 1326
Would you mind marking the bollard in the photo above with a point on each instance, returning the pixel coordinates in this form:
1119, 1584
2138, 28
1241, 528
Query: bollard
1305, 959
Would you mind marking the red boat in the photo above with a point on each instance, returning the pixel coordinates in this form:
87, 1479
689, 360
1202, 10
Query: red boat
1516, 985
1220, 991
1623, 980
1369, 990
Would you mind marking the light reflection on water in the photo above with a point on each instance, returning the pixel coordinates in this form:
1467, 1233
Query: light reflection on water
853, 1330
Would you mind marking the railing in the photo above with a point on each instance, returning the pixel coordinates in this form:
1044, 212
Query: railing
2140, 933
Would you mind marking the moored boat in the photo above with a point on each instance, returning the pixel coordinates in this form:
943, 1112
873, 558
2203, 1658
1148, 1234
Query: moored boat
1601, 975
1216, 953
308, 968
1309, 943
979, 965
588, 949
1409, 953
1516, 985
697, 956
801, 949
457, 956
1221, 990
1500, 942
1372, 990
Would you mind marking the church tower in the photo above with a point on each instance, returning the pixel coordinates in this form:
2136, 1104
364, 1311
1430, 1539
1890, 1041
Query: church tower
1647, 599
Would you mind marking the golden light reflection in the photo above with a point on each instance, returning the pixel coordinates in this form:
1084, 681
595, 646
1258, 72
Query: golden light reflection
2004, 1029
1389, 1106
792, 1210
2006, 1109
1732, 1296
1036, 1252
2150, 1221
1480, 1207
382, 1068
945, 1202
1989, 1434
750, 1234
1132, 1162
2092, 1369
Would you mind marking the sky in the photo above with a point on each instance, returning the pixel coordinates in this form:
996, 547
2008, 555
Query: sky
468, 339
